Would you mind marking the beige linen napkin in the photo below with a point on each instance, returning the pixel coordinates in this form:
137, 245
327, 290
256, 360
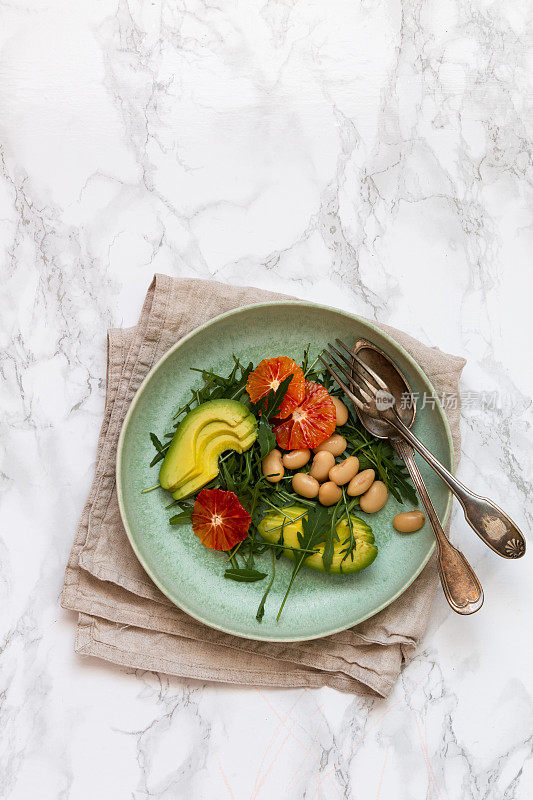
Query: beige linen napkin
125, 619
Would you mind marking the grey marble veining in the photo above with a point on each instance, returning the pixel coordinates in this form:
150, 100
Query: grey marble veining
372, 156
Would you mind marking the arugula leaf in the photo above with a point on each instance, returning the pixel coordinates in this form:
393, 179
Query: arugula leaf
218, 386
244, 575
331, 536
269, 406
156, 443
266, 438
261, 608
181, 519
161, 449
305, 359
350, 549
313, 528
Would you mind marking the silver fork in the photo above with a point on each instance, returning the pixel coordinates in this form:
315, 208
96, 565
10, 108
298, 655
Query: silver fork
371, 395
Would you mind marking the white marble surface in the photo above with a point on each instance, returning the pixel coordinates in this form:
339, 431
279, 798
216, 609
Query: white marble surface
371, 155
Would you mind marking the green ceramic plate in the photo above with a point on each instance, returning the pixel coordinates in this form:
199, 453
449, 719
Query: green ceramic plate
192, 576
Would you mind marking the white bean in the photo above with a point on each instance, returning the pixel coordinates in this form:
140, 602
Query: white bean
329, 493
305, 485
374, 498
272, 467
344, 472
296, 459
322, 463
362, 481
341, 412
336, 444
409, 521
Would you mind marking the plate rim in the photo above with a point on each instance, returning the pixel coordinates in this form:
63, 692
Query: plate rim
131, 409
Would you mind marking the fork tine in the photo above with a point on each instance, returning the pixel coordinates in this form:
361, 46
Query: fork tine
380, 382
354, 373
355, 400
354, 377
368, 398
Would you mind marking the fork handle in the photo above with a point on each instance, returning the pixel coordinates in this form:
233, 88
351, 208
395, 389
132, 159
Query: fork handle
491, 524
460, 584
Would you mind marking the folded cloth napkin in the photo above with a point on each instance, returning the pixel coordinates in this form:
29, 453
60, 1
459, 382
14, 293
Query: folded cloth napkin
125, 619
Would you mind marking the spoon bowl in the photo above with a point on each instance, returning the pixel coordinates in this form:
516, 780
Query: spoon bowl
397, 385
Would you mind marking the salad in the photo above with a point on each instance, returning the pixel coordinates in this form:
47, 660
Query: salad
273, 459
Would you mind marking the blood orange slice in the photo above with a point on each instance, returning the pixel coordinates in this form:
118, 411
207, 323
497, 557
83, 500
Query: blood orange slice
310, 423
268, 375
219, 520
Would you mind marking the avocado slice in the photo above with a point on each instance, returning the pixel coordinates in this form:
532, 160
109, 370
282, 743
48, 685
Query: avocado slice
366, 551
207, 439
226, 421
209, 463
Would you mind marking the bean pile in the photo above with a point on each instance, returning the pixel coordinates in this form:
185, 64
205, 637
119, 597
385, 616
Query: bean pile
326, 476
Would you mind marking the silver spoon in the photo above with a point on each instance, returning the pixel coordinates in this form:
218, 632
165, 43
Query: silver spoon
492, 525
460, 584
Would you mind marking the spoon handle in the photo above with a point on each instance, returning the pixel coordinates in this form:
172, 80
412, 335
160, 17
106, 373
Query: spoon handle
491, 524
460, 584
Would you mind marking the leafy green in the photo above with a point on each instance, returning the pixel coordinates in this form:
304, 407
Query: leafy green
183, 518
313, 527
331, 538
350, 549
215, 386
261, 608
161, 449
156, 443
242, 474
244, 575
268, 406
305, 359
266, 438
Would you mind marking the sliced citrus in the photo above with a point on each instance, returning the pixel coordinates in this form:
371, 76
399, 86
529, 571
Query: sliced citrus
268, 375
310, 423
219, 520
